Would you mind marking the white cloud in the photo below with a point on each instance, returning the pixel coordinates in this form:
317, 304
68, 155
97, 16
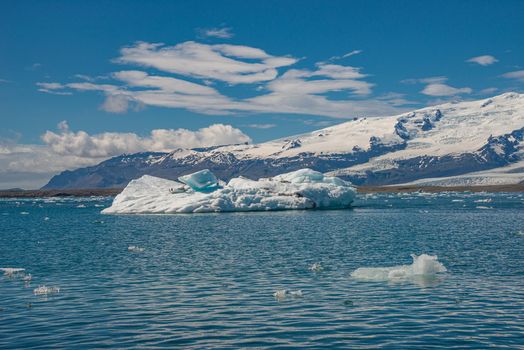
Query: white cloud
484, 60
108, 144
488, 91
218, 62
440, 89
430, 80
349, 54
221, 33
518, 75
117, 103
261, 126
194, 75
31, 165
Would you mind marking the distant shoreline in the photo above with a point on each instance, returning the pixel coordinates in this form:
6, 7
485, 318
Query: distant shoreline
362, 189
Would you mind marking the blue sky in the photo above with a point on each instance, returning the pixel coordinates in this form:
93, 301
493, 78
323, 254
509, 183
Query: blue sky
268, 69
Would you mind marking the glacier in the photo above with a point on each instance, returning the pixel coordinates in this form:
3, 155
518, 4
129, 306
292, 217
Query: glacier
201, 192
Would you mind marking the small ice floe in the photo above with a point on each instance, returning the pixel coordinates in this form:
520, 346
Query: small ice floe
81, 206
135, 249
483, 207
457, 200
27, 278
316, 267
283, 294
11, 271
485, 200
423, 265
99, 205
46, 218
24, 213
43, 290
520, 233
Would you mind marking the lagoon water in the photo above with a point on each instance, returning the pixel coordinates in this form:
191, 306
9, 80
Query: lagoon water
208, 280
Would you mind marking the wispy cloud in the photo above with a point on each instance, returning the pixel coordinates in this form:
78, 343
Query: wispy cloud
349, 54
517, 75
233, 64
261, 126
484, 60
52, 88
488, 91
436, 86
429, 80
194, 76
34, 66
221, 33
440, 89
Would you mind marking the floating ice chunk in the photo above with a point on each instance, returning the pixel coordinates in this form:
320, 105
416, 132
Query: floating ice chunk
11, 271
423, 265
43, 290
316, 267
27, 278
46, 218
135, 249
287, 294
302, 189
486, 200
81, 206
483, 207
24, 213
201, 181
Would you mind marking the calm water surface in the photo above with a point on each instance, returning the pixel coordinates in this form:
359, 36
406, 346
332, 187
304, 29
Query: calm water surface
207, 280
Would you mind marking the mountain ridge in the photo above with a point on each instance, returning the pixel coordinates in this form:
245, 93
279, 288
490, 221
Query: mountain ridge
446, 140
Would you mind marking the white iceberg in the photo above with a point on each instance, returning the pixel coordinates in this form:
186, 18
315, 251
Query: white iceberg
423, 265
202, 193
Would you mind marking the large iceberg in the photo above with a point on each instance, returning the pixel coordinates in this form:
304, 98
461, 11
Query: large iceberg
201, 192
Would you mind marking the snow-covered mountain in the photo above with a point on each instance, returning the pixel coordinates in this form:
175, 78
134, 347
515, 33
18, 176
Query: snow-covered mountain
448, 140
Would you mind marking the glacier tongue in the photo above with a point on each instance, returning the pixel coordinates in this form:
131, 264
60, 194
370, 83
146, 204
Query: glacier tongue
301, 189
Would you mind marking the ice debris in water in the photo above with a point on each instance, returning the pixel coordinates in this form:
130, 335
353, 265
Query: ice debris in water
301, 189
46, 218
135, 249
24, 213
81, 206
486, 200
423, 265
11, 271
43, 290
286, 294
27, 278
316, 267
